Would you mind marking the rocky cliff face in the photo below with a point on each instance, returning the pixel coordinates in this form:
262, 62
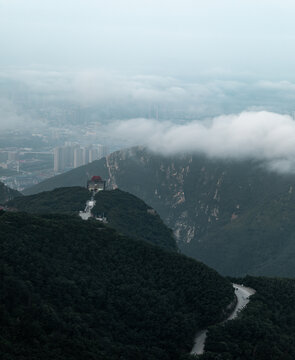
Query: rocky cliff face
235, 216
194, 195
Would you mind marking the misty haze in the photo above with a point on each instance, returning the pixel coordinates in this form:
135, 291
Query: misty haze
147, 180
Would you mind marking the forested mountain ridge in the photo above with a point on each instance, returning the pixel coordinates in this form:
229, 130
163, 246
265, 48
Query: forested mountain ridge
64, 200
7, 194
124, 211
132, 217
222, 212
73, 289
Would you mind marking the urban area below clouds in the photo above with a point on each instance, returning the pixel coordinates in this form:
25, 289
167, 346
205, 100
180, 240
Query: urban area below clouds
226, 117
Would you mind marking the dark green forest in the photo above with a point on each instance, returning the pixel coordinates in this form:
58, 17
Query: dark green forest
132, 217
64, 200
73, 289
125, 212
264, 330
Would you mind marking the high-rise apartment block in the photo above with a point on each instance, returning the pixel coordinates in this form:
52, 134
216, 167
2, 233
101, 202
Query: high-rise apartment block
78, 157
72, 156
59, 159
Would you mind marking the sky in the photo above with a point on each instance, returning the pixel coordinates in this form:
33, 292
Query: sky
228, 65
187, 39
223, 55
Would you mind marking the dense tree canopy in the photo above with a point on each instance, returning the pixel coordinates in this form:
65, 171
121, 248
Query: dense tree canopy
125, 212
64, 200
132, 217
73, 289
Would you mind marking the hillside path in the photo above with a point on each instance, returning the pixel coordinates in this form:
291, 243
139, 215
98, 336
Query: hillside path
243, 294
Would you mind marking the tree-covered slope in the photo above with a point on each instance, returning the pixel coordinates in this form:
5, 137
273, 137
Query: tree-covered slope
64, 200
213, 206
7, 194
125, 212
264, 330
132, 217
73, 289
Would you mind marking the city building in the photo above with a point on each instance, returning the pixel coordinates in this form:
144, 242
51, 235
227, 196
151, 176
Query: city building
72, 156
59, 159
78, 157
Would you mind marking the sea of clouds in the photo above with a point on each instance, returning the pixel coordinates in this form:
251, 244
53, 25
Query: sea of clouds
262, 135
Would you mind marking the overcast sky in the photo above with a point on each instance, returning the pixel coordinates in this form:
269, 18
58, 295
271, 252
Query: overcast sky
183, 38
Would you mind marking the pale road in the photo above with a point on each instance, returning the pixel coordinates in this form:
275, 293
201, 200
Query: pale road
243, 294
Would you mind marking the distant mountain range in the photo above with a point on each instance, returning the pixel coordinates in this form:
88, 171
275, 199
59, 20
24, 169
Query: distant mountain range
236, 216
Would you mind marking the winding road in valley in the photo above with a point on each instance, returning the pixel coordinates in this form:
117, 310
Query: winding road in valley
243, 294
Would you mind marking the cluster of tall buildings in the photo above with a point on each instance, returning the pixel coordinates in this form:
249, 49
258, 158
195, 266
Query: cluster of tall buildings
72, 156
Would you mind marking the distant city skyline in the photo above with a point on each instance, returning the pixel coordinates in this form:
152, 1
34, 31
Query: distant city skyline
72, 156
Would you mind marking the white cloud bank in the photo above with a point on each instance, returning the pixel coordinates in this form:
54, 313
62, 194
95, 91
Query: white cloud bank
264, 136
